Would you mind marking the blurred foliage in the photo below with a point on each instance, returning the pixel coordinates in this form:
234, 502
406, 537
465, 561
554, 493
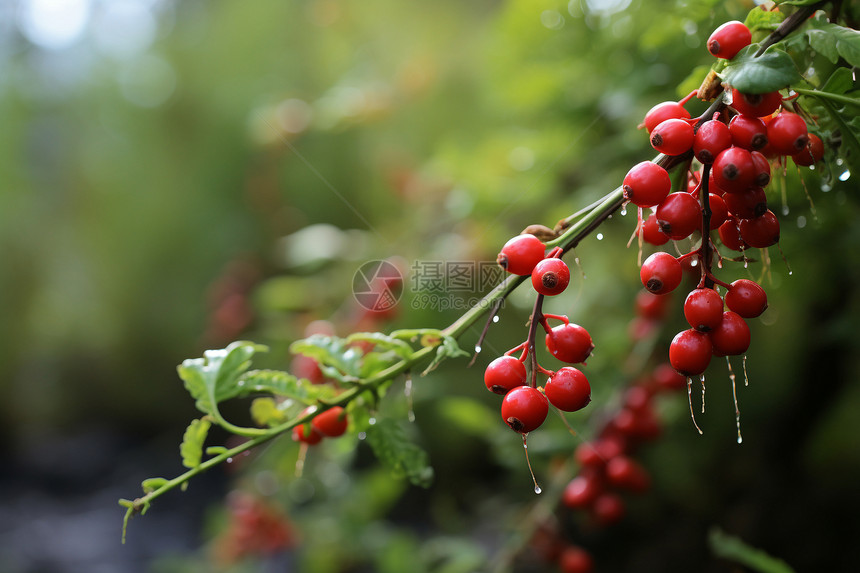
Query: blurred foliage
227, 178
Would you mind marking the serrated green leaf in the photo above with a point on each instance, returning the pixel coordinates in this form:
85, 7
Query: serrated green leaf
214, 378
265, 412
401, 456
152, 484
761, 19
773, 70
285, 385
330, 352
382, 341
191, 448
832, 41
732, 548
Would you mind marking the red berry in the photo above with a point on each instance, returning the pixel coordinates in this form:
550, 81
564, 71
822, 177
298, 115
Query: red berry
608, 509
730, 235
732, 336
756, 105
719, 211
582, 490
651, 306
651, 232
660, 273
748, 132
747, 204
646, 184
625, 473
734, 169
761, 232
679, 215
813, 153
305, 433
667, 378
787, 133
672, 137
711, 138
703, 309
575, 560
663, 111
568, 390
331, 423
524, 409
746, 298
504, 374
690, 352
729, 39
550, 277
520, 254
569, 343
762, 169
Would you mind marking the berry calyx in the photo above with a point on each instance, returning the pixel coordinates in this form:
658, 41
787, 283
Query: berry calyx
651, 232
524, 409
504, 374
569, 343
660, 273
550, 277
729, 39
331, 423
646, 184
520, 254
568, 389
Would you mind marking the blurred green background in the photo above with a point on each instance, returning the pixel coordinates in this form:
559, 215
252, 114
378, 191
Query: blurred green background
179, 174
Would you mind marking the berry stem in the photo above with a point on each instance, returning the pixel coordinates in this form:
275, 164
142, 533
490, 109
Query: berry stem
537, 317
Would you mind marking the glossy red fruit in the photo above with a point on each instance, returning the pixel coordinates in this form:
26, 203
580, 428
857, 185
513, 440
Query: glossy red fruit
730, 235
504, 374
756, 105
719, 210
748, 132
672, 137
667, 378
679, 215
626, 473
732, 336
813, 153
575, 559
520, 254
331, 423
608, 509
305, 433
569, 343
660, 273
729, 39
550, 277
568, 390
703, 309
524, 409
646, 184
690, 352
787, 133
663, 111
762, 169
711, 138
734, 170
651, 232
582, 490
761, 232
596, 454
746, 298
747, 204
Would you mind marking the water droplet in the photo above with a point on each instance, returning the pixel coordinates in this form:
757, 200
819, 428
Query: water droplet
496, 318
362, 435
599, 236
240, 383
785, 210
694, 263
229, 460
529, 464
478, 348
825, 187
538, 490
845, 175
623, 211
801, 222
690, 400
372, 421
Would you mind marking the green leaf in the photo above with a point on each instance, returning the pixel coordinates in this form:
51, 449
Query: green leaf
840, 82
402, 457
773, 70
215, 377
382, 341
448, 349
330, 351
732, 548
191, 448
284, 385
832, 41
152, 484
265, 412
761, 19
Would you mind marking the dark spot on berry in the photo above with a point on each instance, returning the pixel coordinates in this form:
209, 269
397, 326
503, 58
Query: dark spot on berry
759, 141
628, 192
705, 156
656, 140
731, 172
515, 424
654, 284
762, 179
549, 280
502, 260
498, 389
714, 47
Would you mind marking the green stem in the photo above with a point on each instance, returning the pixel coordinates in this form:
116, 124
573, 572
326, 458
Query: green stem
844, 100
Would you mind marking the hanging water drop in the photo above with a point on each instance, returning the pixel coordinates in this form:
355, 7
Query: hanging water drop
845, 175
702, 380
732, 377
785, 210
599, 236
478, 348
538, 490
690, 400
623, 211
529, 464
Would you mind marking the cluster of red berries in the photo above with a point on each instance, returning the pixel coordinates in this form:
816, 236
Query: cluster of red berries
525, 406
256, 529
330, 423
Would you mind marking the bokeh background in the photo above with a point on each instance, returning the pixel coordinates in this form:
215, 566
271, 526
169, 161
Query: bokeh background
177, 174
